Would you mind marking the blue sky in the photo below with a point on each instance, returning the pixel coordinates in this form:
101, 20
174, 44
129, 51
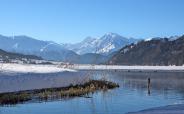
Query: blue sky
73, 20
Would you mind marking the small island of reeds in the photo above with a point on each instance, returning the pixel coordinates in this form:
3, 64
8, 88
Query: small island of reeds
91, 86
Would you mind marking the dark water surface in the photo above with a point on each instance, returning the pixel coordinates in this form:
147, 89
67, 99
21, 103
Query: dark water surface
166, 88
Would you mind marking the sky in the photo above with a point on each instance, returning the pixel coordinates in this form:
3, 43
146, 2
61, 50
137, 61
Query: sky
70, 21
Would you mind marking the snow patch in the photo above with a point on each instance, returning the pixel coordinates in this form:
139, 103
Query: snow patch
30, 68
121, 67
43, 48
107, 48
15, 45
148, 39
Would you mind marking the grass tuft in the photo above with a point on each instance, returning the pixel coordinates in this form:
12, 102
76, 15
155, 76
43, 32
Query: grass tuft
56, 93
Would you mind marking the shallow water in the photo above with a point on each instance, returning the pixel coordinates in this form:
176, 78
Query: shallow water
133, 95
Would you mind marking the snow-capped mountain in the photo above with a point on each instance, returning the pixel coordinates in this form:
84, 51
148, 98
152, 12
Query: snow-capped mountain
88, 51
171, 38
26, 45
106, 44
86, 46
175, 37
157, 51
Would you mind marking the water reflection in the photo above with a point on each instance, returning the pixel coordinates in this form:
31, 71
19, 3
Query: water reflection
160, 81
135, 93
17, 82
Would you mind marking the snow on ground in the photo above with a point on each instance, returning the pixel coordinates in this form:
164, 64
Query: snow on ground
118, 67
30, 68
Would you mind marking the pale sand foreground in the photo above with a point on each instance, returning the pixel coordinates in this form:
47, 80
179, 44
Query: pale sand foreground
172, 109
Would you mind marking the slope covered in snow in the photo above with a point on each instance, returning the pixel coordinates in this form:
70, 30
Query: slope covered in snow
74, 53
106, 44
26, 45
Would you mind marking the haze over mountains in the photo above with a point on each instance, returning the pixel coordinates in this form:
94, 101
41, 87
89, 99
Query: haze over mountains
91, 50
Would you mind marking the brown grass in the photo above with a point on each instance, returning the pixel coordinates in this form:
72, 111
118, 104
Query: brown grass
56, 93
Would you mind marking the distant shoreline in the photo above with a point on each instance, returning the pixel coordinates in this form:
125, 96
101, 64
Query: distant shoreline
33, 68
128, 68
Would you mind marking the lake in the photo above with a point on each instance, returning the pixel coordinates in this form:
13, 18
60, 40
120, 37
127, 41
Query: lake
167, 88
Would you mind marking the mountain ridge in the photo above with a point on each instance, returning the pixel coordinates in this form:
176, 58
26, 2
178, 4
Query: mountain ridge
105, 45
9, 56
50, 50
158, 51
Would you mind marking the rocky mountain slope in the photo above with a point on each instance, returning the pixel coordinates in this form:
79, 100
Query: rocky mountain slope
89, 51
26, 45
105, 45
153, 52
8, 56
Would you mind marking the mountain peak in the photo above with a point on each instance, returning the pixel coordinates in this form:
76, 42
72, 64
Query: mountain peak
88, 39
110, 34
106, 44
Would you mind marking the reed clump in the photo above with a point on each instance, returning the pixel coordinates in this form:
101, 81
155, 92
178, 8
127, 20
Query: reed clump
54, 93
14, 98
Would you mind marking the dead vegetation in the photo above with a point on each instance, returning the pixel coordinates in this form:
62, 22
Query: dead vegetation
56, 93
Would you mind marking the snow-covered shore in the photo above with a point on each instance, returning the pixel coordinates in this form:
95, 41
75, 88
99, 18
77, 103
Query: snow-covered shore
30, 68
119, 67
